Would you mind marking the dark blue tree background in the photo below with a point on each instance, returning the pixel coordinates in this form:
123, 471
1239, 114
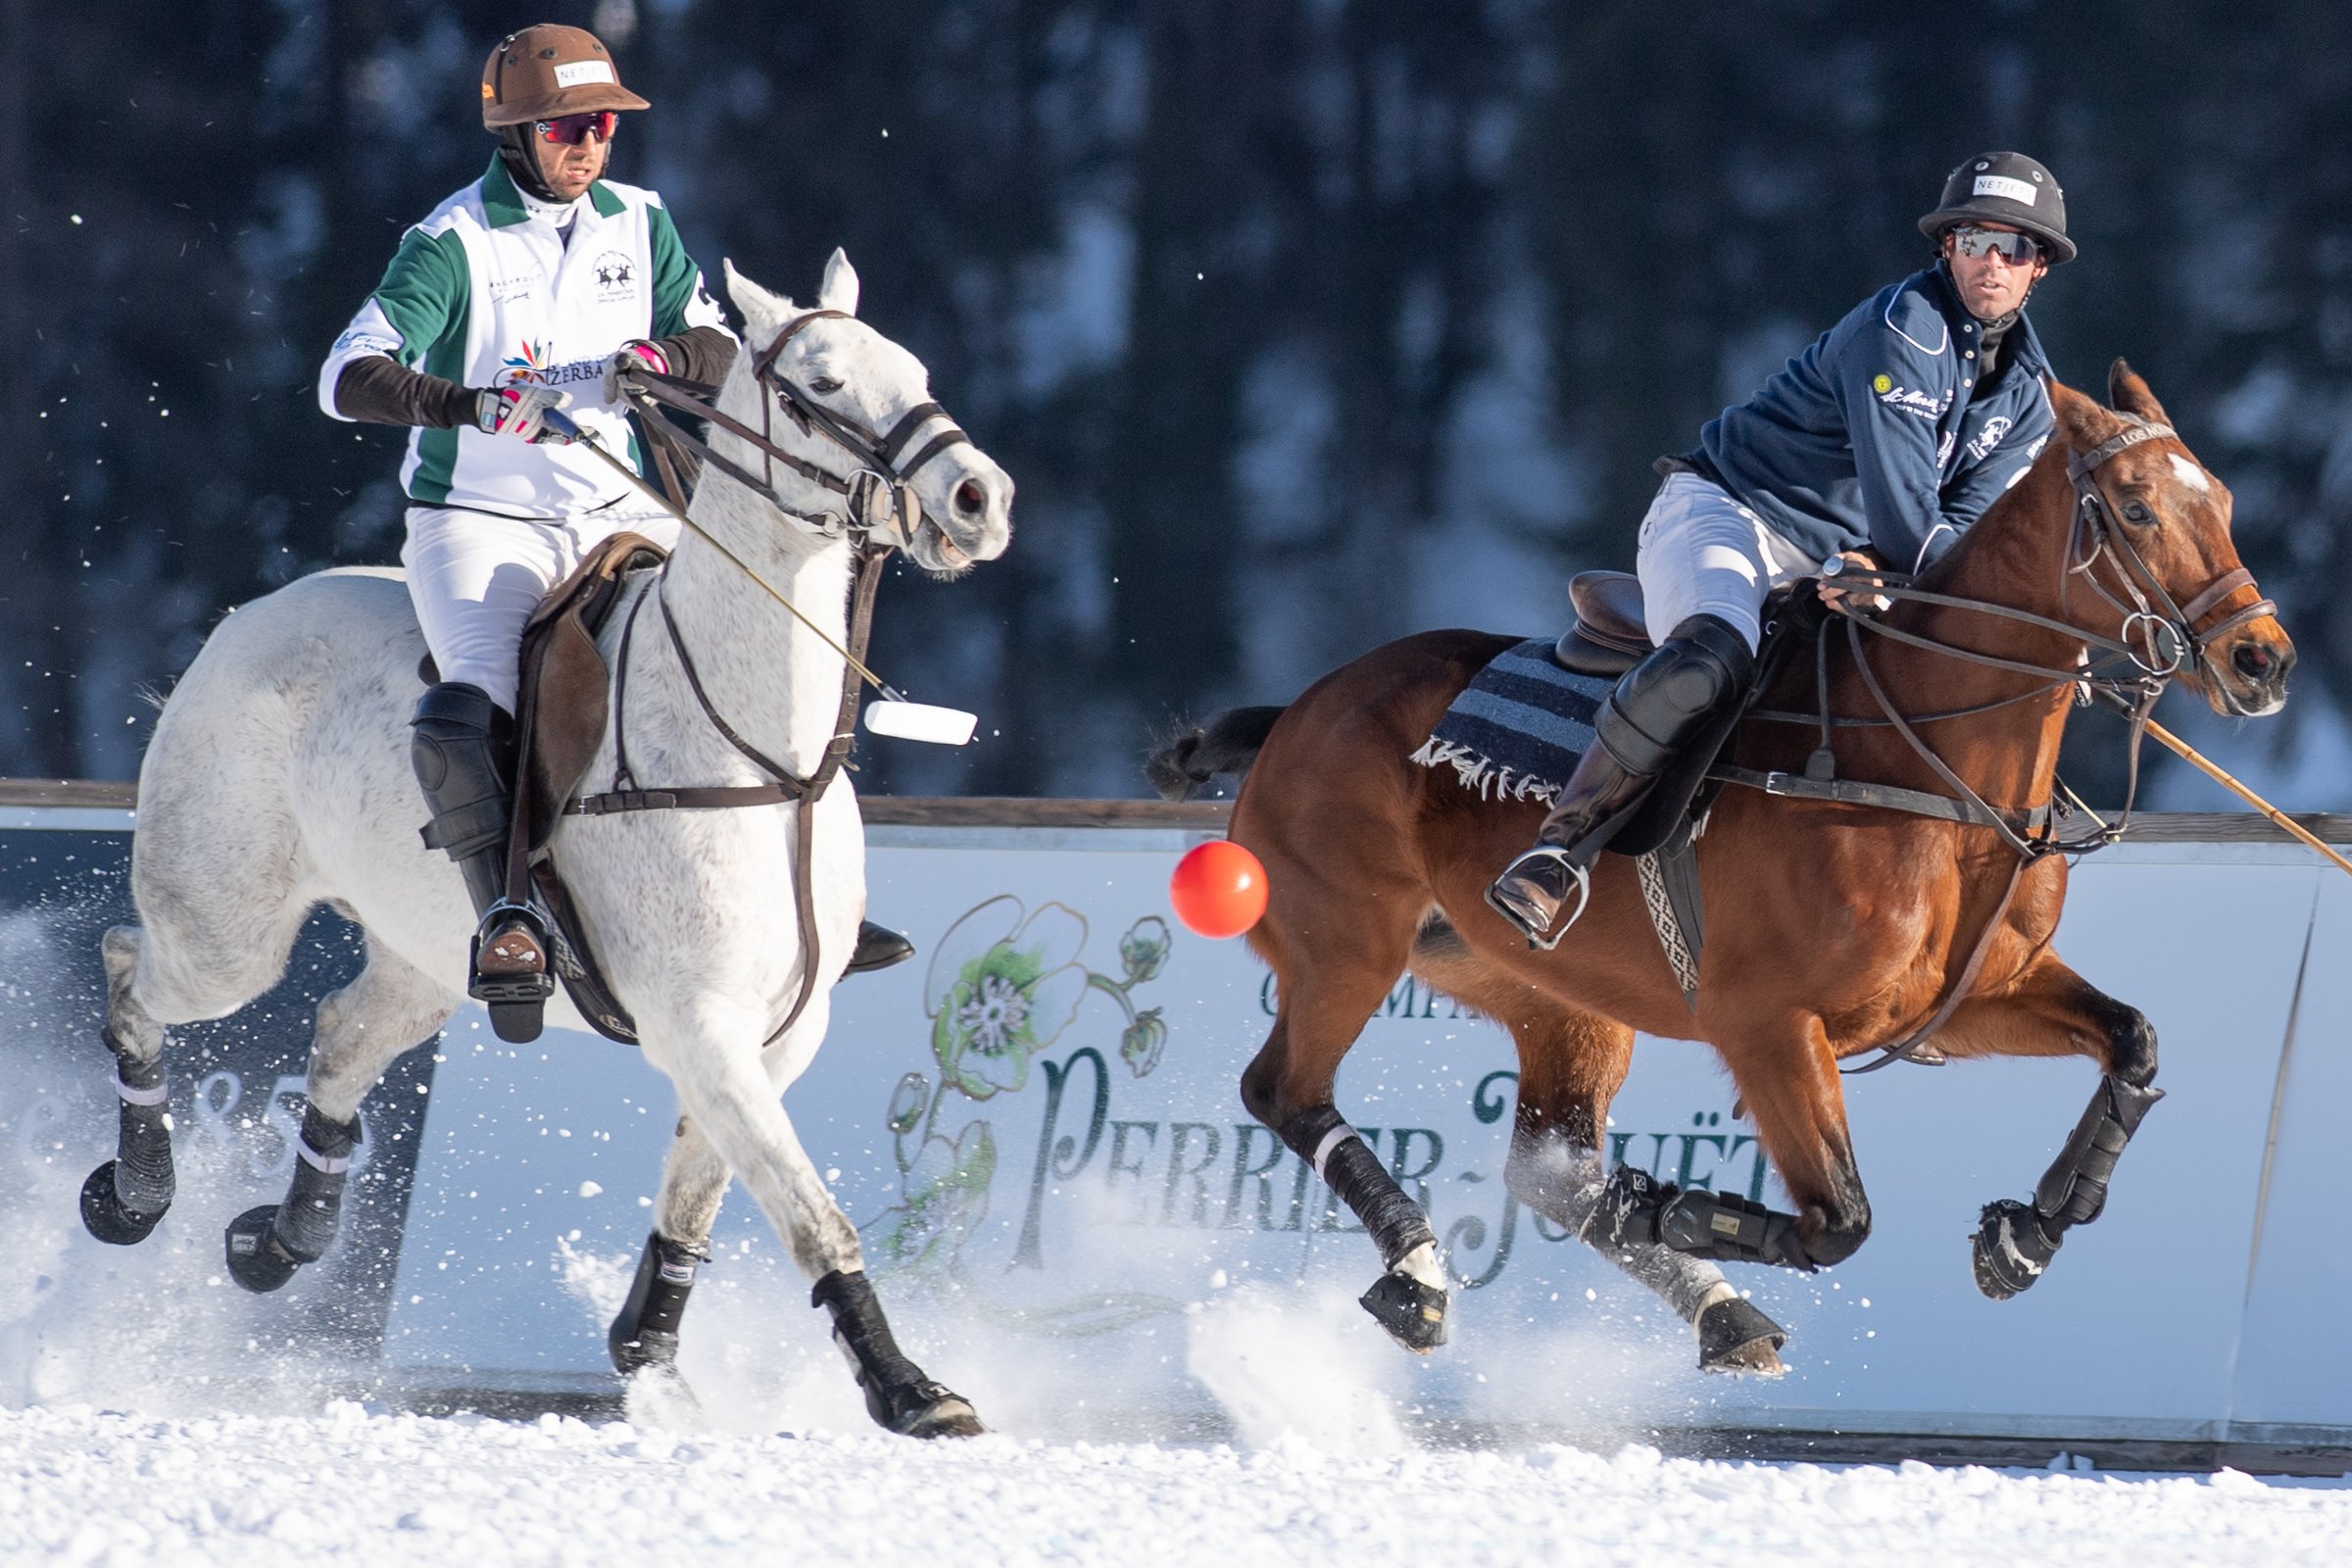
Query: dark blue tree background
1302, 323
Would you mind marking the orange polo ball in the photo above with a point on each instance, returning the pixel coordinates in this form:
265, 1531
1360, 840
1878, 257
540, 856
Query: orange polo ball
1219, 889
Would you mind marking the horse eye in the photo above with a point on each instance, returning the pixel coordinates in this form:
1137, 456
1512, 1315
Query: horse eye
825, 384
2138, 512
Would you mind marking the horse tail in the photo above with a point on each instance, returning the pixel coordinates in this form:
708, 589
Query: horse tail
1227, 743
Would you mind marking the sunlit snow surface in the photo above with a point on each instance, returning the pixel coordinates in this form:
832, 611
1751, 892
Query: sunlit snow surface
86, 1487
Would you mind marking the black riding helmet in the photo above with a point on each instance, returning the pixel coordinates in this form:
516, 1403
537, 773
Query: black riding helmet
2005, 188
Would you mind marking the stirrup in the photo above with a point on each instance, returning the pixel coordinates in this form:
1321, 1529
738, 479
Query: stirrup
508, 961
1525, 919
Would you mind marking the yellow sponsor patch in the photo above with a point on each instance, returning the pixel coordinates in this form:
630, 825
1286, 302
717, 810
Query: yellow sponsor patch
1882, 383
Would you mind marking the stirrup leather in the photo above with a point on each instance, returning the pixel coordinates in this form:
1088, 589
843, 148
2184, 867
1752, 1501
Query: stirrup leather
1508, 897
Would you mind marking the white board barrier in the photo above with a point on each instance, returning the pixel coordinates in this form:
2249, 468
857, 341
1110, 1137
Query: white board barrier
1036, 1127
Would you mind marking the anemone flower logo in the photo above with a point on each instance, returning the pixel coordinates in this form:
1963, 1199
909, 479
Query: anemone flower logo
1001, 989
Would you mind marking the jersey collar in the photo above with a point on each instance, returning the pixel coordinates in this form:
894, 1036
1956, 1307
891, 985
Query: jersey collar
506, 206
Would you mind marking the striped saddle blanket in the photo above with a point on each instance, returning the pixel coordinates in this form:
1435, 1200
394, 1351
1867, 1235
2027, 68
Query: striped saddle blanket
1516, 731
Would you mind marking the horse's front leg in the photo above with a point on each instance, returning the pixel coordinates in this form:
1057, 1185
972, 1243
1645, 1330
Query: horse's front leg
731, 1092
2053, 1011
1788, 1076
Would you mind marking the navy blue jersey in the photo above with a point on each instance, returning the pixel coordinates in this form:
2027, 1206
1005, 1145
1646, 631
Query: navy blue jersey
1882, 434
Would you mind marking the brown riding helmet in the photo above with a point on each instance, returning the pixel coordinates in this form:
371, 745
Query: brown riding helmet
548, 71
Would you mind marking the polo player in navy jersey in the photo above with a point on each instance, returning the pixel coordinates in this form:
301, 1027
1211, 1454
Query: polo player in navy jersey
1877, 447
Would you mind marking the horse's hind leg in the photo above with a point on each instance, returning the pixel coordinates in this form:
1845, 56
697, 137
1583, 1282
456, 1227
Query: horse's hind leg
2053, 1011
729, 1089
126, 1199
196, 957
644, 1337
390, 1007
1334, 961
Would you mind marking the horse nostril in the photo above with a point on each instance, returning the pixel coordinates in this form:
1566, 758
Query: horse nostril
2252, 661
969, 497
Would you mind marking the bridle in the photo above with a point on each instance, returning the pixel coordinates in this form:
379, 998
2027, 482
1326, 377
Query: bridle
876, 499
2158, 639
879, 510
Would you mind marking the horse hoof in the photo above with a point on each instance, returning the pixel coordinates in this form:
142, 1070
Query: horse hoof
1413, 1314
104, 1216
254, 1260
924, 1410
2010, 1249
658, 1395
1733, 1337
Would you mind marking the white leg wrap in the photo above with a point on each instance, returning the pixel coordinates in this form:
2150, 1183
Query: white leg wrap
1331, 1141
1422, 1264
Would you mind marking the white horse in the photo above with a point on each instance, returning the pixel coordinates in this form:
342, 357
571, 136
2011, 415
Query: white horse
279, 778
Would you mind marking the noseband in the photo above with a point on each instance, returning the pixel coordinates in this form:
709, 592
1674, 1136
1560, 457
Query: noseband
876, 499
2168, 629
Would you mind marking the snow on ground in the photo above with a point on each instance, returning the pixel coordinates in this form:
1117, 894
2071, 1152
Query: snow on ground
81, 1485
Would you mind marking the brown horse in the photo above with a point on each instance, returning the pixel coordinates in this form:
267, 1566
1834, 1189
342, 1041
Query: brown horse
1834, 928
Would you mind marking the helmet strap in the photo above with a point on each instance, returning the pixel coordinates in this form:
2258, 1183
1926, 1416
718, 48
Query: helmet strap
523, 164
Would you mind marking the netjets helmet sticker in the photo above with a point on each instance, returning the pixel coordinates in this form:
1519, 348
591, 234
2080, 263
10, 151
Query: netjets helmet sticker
1989, 437
615, 278
1896, 396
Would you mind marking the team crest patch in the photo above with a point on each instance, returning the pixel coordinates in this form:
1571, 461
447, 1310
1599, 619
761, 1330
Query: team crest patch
1882, 383
615, 278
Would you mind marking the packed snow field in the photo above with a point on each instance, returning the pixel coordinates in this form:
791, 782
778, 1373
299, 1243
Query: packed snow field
83, 1485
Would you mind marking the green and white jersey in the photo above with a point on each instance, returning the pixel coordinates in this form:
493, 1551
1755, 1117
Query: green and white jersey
487, 291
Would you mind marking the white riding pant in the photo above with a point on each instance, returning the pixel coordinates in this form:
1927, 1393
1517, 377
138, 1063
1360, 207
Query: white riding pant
1703, 552
476, 578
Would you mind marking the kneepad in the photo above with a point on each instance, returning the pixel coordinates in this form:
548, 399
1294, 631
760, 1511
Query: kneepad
1704, 668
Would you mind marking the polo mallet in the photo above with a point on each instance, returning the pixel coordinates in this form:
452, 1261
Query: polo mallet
893, 715
2277, 818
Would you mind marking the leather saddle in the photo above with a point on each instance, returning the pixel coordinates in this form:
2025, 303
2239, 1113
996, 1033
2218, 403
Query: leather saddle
1609, 636
562, 707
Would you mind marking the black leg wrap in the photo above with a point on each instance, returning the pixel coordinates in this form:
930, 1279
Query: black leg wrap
2015, 1242
645, 1333
896, 1393
305, 1221
1636, 1210
124, 1199
1322, 1137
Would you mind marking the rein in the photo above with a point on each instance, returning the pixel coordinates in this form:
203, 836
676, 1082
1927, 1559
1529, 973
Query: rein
879, 475
2169, 642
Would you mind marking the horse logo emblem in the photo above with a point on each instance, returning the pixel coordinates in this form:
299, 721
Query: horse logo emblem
615, 278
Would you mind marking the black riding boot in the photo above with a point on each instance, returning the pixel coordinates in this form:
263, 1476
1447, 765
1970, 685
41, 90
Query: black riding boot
878, 947
1659, 706
463, 745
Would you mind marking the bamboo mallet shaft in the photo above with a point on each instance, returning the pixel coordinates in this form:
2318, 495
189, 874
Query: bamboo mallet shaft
2277, 818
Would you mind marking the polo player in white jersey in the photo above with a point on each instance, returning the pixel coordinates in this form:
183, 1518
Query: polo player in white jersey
533, 288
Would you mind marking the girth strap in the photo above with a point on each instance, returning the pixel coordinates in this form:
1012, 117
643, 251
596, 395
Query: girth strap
1885, 797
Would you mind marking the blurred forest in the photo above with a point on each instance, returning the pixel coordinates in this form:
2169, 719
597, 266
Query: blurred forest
1301, 323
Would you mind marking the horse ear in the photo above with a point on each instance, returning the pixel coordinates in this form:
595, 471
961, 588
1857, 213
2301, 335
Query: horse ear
2129, 394
755, 303
839, 290
2080, 420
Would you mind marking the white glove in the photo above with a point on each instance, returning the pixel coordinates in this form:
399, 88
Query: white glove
519, 408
